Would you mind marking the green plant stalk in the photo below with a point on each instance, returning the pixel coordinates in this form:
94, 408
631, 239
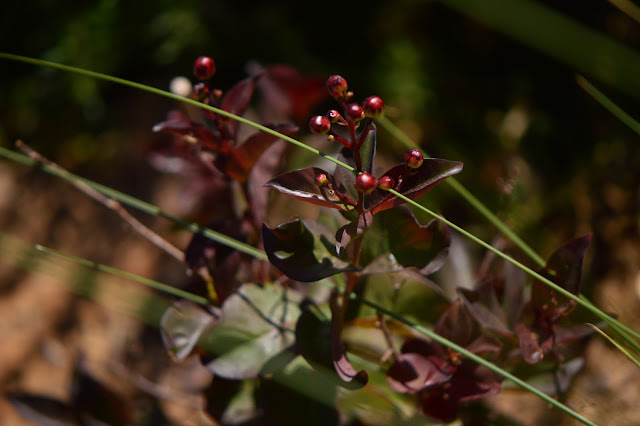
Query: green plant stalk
621, 348
100, 76
136, 204
608, 104
156, 285
468, 196
523, 267
539, 26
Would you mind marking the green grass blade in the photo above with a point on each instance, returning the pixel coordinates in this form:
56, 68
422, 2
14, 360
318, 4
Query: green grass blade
608, 104
524, 268
562, 38
468, 196
136, 204
634, 359
156, 285
159, 92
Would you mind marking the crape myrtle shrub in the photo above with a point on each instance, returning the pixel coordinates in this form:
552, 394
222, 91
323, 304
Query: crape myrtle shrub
282, 334
262, 318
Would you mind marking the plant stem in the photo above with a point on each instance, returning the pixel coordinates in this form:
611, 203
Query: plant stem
109, 203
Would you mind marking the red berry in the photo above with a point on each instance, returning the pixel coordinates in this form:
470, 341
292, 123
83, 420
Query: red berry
200, 91
321, 179
333, 115
204, 68
373, 106
365, 182
354, 112
413, 158
386, 183
319, 125
336, 85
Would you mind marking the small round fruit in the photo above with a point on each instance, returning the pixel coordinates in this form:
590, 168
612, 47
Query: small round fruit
337, 86
365, 182
204, 68
386, 183
354, 112
373, 106
200, 91
333, 115
322, 180
319, 125
413, 158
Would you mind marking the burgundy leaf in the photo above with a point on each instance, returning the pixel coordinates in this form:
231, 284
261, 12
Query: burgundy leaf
487, 313
564, 268
425, 247
236, 101
267, 166
351, 231
412, 372
565, 264
457, 325
351, 378
241, 159
473, 381
289, 93
301, 184
531, 350
415, 182
299, 254
203, 134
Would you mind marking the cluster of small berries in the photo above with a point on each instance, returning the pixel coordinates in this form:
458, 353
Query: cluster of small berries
366, 183
203, 69
353, 112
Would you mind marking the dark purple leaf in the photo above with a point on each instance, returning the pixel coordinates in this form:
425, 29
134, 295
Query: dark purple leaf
351, 378
286, 93
221, 261
301, 184
267, 166
482, 304
473, 381
564, 268
565, 264
182, 326
412, 372
531, 350
236, 100
313, 336
457, 325
299, 254
351, 231
240, 160
203, 134
415, 182
424, 247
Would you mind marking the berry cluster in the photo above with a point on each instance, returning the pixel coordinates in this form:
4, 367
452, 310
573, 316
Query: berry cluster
353, 112
356, 117
204, 68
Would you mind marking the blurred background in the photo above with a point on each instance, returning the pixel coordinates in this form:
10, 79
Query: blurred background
490, 84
